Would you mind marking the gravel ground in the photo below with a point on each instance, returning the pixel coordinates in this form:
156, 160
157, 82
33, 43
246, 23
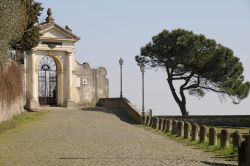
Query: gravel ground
98, 136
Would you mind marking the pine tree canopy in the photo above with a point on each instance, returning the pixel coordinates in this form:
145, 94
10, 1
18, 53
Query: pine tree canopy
201, 65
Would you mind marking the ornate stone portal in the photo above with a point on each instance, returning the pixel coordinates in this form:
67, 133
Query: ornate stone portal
54, 77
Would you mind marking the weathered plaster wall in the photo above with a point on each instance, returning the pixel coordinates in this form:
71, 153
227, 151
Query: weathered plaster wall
89, 84
12, 104
8, 111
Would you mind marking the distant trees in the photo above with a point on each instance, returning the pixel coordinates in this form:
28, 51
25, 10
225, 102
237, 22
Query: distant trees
197, 63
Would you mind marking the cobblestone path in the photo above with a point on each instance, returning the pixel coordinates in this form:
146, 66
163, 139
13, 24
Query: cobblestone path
93, 137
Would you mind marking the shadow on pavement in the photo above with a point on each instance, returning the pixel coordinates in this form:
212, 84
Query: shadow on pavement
119, 113
216, 164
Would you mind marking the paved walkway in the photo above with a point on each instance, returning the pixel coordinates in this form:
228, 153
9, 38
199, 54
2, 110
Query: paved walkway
93, 137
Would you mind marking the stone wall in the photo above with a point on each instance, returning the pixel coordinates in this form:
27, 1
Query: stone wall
8, 111
220, 120
122, 104
12, 91
90, 84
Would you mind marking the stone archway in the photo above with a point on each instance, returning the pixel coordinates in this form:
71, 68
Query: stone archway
72, 78
50, 81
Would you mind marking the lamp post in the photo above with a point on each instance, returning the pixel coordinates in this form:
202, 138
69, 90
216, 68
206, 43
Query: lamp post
121, 63
142, 68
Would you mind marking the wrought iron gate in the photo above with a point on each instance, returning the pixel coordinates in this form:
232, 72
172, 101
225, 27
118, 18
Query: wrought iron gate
47, 81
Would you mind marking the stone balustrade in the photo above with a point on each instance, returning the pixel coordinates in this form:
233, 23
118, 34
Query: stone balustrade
224, 138
203, 134
154, 122
195, 132
146, 120
163, 125
213, 136
149, 121
187, 130
237, 139
180, 129
159, 123
244, 152
169, 126
174, 127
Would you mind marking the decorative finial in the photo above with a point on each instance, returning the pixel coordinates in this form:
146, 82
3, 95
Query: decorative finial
49, 12
68, 28
49, 18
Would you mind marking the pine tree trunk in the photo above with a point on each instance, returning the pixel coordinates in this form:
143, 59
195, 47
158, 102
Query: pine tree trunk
181, 104
183, 108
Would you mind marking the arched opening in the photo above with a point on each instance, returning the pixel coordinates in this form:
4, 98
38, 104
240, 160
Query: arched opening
47, 81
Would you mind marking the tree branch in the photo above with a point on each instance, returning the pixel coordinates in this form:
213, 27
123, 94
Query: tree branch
183, 98
214, 90
172, 71
171, 86
187, 80
179, 78
193, 85
179, 74
168, 72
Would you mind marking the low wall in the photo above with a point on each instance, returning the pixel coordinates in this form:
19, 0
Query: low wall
204, 134
11, 90
8, 111
214, 120
122, 104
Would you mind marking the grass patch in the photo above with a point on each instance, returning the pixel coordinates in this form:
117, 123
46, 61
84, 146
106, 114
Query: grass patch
232, 130
228, 154
23, 118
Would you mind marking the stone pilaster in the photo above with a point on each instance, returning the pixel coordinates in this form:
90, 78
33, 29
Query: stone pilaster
60, 91
32, 99
69, 69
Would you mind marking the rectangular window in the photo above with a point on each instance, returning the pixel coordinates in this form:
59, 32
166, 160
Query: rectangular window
52, 43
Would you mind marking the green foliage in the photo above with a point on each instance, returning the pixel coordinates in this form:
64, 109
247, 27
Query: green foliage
12, 22
30, 38
199, 63
17, 18
197, 92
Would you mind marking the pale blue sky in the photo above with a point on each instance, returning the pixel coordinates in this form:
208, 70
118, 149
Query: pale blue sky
112, 29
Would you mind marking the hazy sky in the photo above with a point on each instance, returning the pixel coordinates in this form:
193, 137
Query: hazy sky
112, 29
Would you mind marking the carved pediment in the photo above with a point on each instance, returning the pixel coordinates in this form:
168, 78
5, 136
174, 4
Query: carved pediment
52, 31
